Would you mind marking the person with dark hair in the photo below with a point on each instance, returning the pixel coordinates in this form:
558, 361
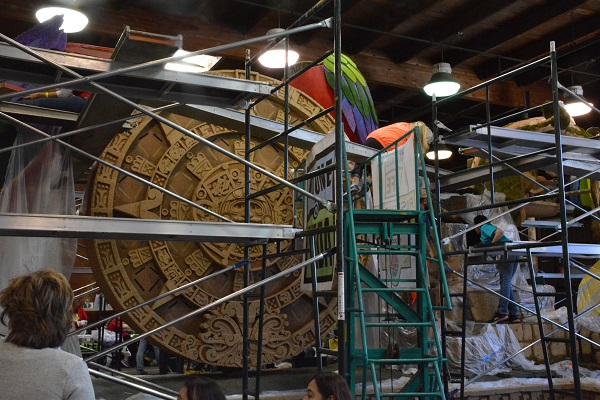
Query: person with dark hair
328, 386
32, 366
200, 388
508, 312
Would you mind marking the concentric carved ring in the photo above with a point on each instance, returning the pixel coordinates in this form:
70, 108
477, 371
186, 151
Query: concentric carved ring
131, 272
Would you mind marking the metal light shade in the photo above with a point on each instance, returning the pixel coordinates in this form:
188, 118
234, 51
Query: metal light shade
74, 21
441, 83
443, 152
573, 105
275, 57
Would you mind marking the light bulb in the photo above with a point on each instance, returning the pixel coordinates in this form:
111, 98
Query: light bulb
73, 21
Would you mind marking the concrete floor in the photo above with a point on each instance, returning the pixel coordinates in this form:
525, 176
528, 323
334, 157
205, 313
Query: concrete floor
290, 384
292, 379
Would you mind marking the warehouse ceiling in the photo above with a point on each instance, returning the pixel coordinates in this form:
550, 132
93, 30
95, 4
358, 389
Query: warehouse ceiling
393, 42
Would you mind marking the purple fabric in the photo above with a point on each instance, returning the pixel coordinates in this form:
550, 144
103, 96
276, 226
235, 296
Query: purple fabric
45, 35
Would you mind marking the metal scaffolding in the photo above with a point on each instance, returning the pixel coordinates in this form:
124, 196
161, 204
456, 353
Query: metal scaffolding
510, 152
195, 95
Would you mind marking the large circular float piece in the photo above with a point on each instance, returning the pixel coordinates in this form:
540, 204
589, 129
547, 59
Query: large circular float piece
131, 272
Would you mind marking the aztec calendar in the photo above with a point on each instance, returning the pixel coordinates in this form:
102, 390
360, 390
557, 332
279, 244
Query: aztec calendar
131, 272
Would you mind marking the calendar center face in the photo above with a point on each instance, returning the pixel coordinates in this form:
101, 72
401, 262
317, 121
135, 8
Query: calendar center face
131, 272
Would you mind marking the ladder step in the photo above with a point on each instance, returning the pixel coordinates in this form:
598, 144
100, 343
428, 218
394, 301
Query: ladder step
326, 293
438, 394
390, 252
395, 280
453, 333
385, 215
398, 225
370, 228
482, 262
390, 280
393, 290
354, 310
392, 219
551, 294
404, 361
398, 324
556, 340
564, 392
388, 316
385, 316
324, 350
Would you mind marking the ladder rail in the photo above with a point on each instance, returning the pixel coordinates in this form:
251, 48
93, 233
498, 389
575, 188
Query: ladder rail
434, 225
387, 227
540, 324
318, 342
349, 290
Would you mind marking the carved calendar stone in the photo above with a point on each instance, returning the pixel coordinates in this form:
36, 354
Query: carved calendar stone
131, 272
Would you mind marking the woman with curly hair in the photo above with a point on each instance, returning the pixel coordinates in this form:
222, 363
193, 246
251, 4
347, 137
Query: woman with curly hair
328, 386
32, 366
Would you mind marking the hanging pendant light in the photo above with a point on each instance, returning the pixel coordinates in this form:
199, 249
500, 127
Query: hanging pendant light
441, 83
573, 105
275, 57
74, 21
443, 152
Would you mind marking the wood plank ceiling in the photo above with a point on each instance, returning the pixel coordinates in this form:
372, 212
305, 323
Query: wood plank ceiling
393, 42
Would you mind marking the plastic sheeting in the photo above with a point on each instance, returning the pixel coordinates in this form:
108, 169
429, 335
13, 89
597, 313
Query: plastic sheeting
589, 321
487, 275
588, 294
486, 346
39, 180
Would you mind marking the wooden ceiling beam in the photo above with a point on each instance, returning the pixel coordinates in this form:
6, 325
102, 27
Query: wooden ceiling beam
411, 76
519, 25
539, 48
578, 54
305, 37
377, 69
402, 50
368, 15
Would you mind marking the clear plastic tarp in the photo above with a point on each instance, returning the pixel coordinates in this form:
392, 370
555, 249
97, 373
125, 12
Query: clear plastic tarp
39, 180
487, 348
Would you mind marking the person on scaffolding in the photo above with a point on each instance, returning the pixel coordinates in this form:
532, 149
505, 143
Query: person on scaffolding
508, 312
382, 138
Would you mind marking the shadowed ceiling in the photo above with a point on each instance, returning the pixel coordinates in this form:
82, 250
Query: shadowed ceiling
393, 42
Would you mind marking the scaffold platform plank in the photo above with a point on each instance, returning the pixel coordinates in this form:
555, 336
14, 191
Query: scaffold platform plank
75, 226
152, 83
517, 141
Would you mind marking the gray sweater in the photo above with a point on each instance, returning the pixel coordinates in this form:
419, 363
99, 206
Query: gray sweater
49, 374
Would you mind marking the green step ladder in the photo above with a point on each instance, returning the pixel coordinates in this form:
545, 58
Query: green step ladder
393, 233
